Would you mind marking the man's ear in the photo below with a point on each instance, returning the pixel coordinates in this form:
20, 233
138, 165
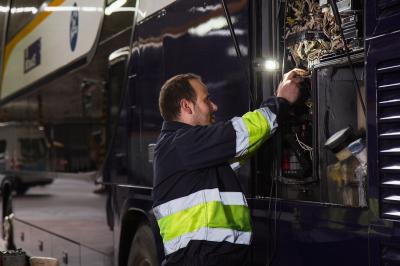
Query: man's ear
186, 106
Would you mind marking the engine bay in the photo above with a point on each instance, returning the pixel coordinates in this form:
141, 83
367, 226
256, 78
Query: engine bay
320, 151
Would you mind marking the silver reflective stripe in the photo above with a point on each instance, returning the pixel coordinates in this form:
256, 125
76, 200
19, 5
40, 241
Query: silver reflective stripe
235, 166
271, 118
233, 198
208, 234
242, 136
199, 197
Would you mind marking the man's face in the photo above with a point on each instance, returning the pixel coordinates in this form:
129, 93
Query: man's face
204, 108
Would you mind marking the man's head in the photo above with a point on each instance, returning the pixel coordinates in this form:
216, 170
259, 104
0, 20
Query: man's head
185, 98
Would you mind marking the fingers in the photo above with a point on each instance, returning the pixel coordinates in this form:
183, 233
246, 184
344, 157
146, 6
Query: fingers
289, 86
289, 90
295, 73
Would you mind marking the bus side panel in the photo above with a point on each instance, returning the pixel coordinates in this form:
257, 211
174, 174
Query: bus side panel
383, 74
308, 234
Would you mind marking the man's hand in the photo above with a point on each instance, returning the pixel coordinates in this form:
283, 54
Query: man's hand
289, 87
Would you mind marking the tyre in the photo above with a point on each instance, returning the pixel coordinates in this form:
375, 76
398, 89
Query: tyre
143, 251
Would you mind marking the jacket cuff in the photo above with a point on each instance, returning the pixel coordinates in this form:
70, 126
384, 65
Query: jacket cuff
278, 105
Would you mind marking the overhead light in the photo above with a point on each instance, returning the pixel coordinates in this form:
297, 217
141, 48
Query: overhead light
15, 10
60, 8
114, 6
4, 9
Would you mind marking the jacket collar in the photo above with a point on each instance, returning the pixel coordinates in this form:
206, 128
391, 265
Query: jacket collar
173, 125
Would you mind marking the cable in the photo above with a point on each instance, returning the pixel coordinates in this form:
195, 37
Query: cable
284, 39
237, 48
353, 72
274, 239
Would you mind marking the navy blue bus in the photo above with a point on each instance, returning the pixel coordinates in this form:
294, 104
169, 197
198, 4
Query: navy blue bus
324, 190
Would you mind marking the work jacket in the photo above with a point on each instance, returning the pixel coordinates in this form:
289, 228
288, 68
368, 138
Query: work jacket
201, 210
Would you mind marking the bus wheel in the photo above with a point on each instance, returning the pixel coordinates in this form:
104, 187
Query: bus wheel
143, 250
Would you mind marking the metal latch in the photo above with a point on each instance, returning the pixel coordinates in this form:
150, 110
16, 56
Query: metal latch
150, 148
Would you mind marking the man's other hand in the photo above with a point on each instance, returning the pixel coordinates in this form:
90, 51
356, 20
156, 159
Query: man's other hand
289, 87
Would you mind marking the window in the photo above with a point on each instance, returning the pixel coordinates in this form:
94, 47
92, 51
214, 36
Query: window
32, 149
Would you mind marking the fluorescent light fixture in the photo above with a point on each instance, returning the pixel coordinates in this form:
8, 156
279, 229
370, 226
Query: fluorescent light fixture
60, 8
4, 9
32, 10
72, 8
114, 6
271, 65
91, 9
47, 8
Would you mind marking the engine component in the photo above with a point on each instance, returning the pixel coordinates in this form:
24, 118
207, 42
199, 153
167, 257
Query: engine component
303, 18
350, 172
311, 32
348, 5
297, 151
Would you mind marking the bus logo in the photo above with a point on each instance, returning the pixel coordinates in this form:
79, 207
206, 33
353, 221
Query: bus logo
32, 56
74, 27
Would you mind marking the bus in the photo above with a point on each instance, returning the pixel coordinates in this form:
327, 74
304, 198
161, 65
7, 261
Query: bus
322, 191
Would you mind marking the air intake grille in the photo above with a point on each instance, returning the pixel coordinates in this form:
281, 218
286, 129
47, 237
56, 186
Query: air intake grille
388, 120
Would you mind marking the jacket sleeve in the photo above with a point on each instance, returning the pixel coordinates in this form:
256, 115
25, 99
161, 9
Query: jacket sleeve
204, 146
252, 130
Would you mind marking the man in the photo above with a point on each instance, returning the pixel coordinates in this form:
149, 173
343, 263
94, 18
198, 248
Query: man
200, 208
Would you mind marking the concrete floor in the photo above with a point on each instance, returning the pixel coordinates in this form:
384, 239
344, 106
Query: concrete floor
69, 209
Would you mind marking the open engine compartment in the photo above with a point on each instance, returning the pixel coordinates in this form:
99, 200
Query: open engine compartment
320, 151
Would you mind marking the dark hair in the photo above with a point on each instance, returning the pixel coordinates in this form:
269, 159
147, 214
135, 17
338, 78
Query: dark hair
172, 92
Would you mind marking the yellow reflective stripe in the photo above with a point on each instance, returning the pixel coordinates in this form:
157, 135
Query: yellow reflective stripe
196, 198
258, 128
26, 30
209, 214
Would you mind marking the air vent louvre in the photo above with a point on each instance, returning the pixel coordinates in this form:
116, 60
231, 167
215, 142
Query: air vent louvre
388, 119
